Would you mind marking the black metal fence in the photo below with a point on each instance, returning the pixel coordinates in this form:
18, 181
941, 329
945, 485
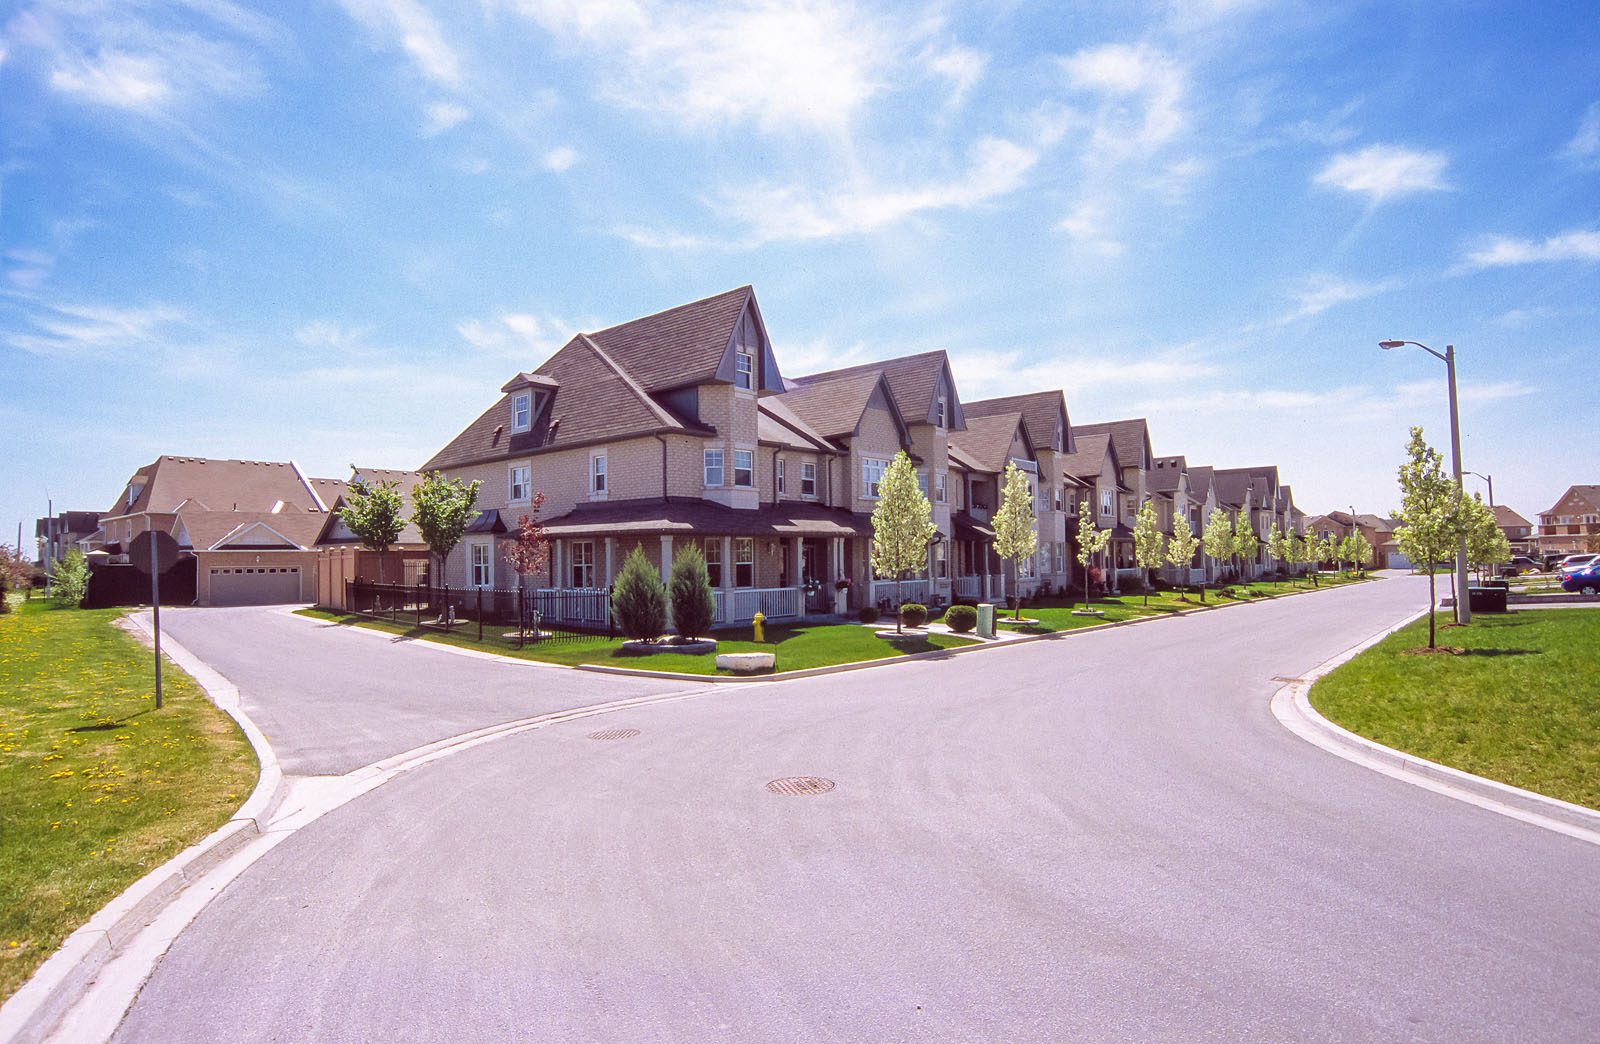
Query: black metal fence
529, 616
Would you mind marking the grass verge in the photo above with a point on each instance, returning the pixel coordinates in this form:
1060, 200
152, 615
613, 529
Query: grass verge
798, 647
1056, 615
1514, 699
98, 787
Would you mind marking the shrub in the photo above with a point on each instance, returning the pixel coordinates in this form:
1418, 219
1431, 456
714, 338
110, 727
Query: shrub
638, 599
868, 614
913, 614
693, 604
961, 618
72, 578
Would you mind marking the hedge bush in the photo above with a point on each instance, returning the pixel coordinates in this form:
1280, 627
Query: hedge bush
693, 604
868, 614
639, 598
961, 618
913, 614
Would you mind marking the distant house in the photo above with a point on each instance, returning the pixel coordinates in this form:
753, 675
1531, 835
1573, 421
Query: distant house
341, 556
1519, 532
1572, 522
57, 534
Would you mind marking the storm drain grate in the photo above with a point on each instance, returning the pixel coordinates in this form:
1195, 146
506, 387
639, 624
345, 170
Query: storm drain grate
795, 786
610, 734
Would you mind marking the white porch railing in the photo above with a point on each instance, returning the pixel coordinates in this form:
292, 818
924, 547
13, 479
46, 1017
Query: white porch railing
910, 591
969, 586
773, 603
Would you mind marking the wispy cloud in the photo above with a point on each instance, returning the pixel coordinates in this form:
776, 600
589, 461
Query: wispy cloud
441, 116
526, 337
84, 329
27, 269
1385, 172
1584, 147
413, 28
1500, 251
982, 374
560, 159
1316, 293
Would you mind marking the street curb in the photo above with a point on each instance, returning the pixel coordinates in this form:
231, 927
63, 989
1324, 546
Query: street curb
61, 981
1291, 705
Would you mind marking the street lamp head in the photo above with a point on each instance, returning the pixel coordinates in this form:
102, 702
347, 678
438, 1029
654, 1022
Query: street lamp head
1386, 345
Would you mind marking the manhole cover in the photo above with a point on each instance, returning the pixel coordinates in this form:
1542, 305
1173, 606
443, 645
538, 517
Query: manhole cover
608, 734
795, 786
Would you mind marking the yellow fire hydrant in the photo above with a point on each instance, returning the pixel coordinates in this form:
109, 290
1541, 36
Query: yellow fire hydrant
755, 622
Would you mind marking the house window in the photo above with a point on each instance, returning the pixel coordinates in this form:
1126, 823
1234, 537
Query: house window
872, 470
713, 467
521, 412
519, 483
597, 474
939, 494
808, 479
922, 483
1107, 501
744, 370
944, 412
744, 468
714, 561
482, 565
780, 476
940, 566
744, 562
582, 563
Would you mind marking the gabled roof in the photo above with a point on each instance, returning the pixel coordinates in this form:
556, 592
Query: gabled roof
1089, 456
1201, 479
679, 347
1233, 487
913, 381
1130, 437
987, 440
833, 406
1588, 494
241, 530
1041, 413
1506, 517
1167, 474
778, 425
332, 532
201, 483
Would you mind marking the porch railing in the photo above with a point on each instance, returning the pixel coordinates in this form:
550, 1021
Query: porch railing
969, 586
910, 591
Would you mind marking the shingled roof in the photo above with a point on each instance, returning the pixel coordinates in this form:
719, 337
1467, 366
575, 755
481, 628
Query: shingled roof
1200, 479
986, 442
833, 405
206, 484
1089, 456
1233, 486
778, 425
679, 347
1041, 412
913, 380
1130, 437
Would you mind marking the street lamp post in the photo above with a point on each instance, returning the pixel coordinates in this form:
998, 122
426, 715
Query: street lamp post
1463, 603
1489, 479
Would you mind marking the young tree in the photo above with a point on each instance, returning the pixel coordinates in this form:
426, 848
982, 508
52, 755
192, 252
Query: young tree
1091, 542
1217, 538
1181, 547
902, 525
1277, 548
373, 514
1148, 541
1341, 552
1245, 541
1294, 553
1430, 514
1015, 534
693, 604
14, 574
639, 599
441, 508
528, 550
1359, 551
1487, 545
71, 576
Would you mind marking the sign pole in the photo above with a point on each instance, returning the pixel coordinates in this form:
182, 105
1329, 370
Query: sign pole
155, 609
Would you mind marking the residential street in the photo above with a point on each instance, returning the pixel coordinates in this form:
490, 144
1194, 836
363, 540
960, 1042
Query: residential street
1102, 837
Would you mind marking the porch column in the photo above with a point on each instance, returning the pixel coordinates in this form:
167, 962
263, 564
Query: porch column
797, 577
836, 572
611, 543
726, 596
555, 563
666, 558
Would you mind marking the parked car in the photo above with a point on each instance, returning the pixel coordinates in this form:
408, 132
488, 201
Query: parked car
1586, 580
1573, 563
1518, 565
1552, 559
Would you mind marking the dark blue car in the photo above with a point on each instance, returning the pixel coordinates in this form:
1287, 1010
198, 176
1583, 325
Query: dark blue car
1584, 581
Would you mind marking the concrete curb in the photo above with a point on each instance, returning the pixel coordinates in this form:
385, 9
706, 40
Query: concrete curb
1291, 705
62, 980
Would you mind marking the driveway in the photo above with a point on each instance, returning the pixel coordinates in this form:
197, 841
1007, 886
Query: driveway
333, 698
1107, 836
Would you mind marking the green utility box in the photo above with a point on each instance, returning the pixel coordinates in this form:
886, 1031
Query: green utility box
985, 619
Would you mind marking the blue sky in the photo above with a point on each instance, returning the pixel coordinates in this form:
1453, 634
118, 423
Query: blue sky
329, 231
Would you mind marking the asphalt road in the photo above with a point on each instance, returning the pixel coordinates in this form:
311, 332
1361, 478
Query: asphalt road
332, 698
1104, 837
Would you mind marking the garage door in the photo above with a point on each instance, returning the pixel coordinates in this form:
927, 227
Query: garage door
256, 585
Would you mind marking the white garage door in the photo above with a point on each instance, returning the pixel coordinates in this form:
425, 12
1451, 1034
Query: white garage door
255, 585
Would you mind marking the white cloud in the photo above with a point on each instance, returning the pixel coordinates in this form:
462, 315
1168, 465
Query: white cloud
1499, 251
87, 328
1141, 91
521, 335
28, 268
981, 374
560, 159
326, 334
415, 30
441, 116
1585, 144
962, 66
1385, 172
122, 81
1316, 293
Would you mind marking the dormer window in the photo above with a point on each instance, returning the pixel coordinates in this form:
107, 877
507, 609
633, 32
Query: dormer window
521, 412
942, 414
744, 371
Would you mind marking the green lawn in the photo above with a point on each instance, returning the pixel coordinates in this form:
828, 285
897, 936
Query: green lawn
1056, 614
1518, 701
798, 647
96, 787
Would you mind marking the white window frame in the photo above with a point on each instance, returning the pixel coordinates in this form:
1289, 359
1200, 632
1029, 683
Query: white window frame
720, 466
805, 478
580, 563
743, 546
519, 493
872, 469
480, 573
599, 475
749, 469
924, 485
941, 493
1108, 502
941, 562
744, 370
713, 553
943, 416
782, 478
521, 412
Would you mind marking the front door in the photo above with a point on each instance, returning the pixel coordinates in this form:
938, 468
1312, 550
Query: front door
817, 593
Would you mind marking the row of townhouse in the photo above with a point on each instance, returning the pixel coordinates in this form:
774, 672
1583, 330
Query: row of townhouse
678, 428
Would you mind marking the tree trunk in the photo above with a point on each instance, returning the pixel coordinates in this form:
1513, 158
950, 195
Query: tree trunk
1432, 601
899, 622
1455, 598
